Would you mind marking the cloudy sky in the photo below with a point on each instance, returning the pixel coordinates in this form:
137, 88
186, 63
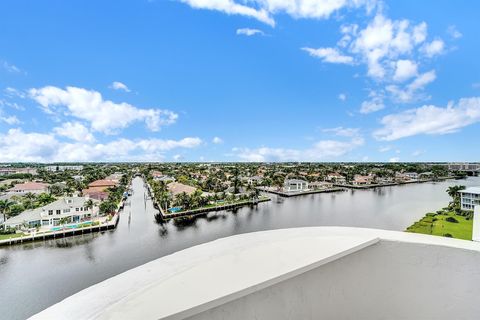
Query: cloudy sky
239, 80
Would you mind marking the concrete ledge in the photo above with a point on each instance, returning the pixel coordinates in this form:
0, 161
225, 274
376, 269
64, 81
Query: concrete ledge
203, 277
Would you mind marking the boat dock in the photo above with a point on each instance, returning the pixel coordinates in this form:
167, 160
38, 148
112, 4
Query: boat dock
63, 233
301, 193
205, 210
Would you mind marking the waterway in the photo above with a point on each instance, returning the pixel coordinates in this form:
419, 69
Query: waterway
36, 275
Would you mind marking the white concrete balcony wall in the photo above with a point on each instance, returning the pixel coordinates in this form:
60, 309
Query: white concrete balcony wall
303, 273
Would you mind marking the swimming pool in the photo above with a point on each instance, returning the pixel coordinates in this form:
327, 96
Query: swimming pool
175, 209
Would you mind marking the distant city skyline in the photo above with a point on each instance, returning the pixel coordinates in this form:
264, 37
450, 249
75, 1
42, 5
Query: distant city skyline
233, 80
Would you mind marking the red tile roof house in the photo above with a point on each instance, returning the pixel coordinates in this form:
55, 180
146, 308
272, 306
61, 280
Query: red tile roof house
102, 185
95, 194
33, 187
98, 189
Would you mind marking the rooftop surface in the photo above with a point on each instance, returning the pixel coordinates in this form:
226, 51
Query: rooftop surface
213, 274
471, 190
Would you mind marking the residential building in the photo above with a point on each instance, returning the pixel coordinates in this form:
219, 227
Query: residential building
95, 194
176, 188
412, 175
73, 209
463, 166
336, 178
253, 180
115, 177
33, 187
469, 198
164, 178
54, 168
295, 185
359, 180
320, 185
102, 185
4, 171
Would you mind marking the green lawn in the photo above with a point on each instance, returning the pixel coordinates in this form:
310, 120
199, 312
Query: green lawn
438, 226
8, 236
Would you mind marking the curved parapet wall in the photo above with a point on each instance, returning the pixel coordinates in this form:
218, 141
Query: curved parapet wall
303, 273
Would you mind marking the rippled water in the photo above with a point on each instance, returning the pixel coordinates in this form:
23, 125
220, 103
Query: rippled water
34, 276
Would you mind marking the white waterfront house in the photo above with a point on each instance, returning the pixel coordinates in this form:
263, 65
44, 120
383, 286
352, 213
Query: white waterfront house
295, 185
73, 209
469, 198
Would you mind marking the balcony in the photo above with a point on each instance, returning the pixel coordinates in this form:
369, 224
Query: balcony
302, 273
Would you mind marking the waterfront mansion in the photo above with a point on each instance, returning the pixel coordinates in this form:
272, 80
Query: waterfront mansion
470, 197
67, 209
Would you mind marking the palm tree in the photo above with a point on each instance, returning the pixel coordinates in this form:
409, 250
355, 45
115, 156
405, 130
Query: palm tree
5, 206
89, 205
45, 198
454, 193
28, 200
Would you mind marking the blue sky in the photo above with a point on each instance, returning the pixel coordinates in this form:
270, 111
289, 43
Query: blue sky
235, 80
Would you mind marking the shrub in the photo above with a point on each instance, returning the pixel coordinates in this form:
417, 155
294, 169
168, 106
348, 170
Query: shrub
448, 235
451, 219
431, 214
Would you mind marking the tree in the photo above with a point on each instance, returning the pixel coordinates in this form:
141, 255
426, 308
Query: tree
44, 199
89, 204
107, 207
5, 206
55, 190
454, 193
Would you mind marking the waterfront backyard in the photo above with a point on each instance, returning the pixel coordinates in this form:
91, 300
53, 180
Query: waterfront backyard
445, 223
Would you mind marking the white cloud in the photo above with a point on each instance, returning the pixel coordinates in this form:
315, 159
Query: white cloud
75, 131
116, 85
420, 33
322, 150
430, 120
453, 32
404, 70
177, 157
217, 140
16, 145
12, 92
11, 120
249, 32
342, 97
383, 40
433, 48
232, 7
410, 92
330, 55
343, 132
385, 149
104, 115
394, 159
263, 10
375, 103
392, 51
10, 67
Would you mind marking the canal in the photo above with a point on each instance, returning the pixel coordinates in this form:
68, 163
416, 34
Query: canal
36, 275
